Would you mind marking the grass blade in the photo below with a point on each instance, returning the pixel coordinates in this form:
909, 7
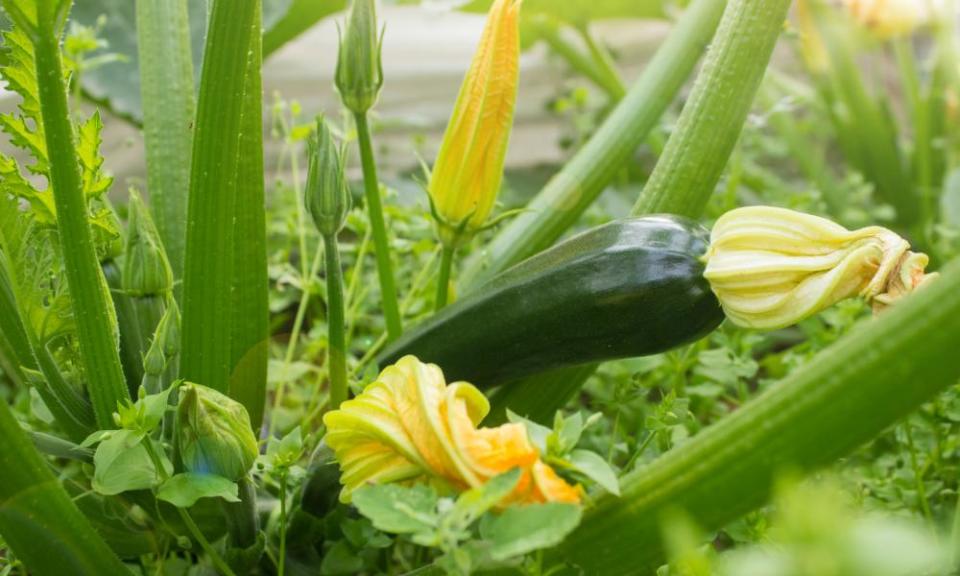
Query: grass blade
38, 520
96, 326
207, 353
568, 194
248, 382
880, 372
167, 92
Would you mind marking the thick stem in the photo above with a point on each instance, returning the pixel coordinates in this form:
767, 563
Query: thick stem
713, 117
848, 394
381, 242
167, 93
336, 334
91, 300
443, 279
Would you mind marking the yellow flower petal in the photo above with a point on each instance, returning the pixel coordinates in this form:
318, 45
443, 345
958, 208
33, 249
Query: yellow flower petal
772, 267
469, 168
410, 425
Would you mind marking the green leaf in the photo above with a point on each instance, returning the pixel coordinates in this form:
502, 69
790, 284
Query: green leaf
478, 501
537, 433
122, 464
594, 467
183, 490
398, 509
341, 559
287, 451
39, 521
520, 530
117, 83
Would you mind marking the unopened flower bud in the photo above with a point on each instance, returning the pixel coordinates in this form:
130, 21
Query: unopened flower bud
213, 433
146, 270
168, 331
468, 172
327, 194
359, 74
772, 267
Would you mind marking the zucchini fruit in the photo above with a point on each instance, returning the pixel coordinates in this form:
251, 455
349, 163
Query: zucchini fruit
628, 288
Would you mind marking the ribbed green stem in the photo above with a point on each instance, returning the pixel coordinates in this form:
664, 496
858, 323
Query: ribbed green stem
443, 279
96, 330
381, 241
38, 519
167, 93
251, 322
336, 332
881, 371
713, 117
568, 194
132, 343
207, 327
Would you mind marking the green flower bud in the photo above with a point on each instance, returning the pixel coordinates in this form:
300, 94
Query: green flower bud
168, 331
146, 270
327, 195
213, 433
359, 75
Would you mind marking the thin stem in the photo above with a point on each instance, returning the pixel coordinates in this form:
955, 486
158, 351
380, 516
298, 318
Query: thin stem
443, 280
283, 524
215, 558
388, 287
604, 62
295, 334
611, 85
917, 474
336, 337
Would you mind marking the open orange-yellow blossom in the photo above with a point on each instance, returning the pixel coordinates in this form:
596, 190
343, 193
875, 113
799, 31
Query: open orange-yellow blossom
469, 169
411, 426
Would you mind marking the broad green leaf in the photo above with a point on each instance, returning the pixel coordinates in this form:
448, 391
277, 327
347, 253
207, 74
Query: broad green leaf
594, 467
117, 83
341, 559
183, 490
520, 530
398, 509
477, 501
122, 463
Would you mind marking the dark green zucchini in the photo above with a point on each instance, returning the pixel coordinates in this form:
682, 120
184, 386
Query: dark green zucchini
628, 288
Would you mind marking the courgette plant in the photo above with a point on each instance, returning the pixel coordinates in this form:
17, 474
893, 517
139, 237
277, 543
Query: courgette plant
149, 346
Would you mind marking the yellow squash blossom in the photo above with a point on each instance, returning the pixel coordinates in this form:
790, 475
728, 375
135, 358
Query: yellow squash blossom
410, 425
888, 18
772, 267
469, 168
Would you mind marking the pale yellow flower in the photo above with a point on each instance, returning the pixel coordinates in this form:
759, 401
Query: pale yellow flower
889, 18
772, 267
469, 168
411, 426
